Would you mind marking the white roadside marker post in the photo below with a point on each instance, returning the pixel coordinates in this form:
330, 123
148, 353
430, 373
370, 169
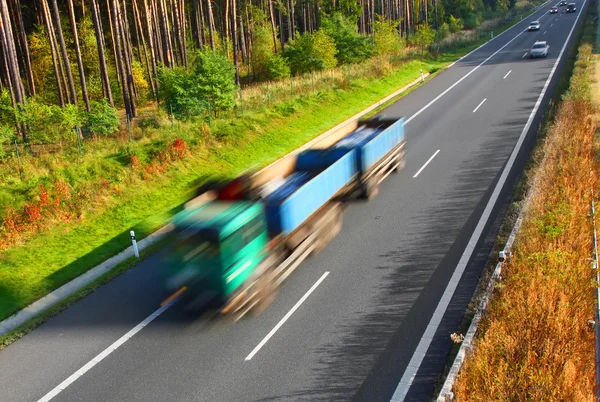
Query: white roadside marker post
134, 243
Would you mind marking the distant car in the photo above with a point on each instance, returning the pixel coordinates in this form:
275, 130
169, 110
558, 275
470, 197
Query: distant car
539, 49
563, 3
571, 8
534, 26
553, 10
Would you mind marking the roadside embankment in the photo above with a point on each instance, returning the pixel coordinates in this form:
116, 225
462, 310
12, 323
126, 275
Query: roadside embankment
534, 342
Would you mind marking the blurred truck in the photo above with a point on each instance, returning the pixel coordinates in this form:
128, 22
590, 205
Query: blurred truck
235, 244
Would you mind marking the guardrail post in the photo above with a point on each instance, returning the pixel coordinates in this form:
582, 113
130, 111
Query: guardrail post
492, 35
134, 243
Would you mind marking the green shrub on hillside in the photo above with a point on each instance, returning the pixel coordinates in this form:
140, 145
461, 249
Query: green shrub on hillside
351, 46
7, 136
186, 92
311, 52
387, 37
278, 68
49, 123
424, 37
455, 24
102, 120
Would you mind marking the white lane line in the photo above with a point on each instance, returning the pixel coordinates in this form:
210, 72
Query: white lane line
426, 163
75, 376
414, 116
420, 352
524, 55
544, 33
478, 106
551, 25
509, 71
285, 318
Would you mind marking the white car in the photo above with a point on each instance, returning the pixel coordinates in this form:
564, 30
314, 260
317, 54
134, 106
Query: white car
534, 26
539, 49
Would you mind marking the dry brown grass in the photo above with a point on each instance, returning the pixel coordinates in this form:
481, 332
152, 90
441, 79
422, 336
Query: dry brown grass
535, 343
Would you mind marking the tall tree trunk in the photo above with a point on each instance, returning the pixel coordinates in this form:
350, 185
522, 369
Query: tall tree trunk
8, 44
63, 50
25, 46
151, 44
211, 25
126, 46
84, 92
289, 18
107, 91
160, 54
61, 81
116, 56
281, 38
235, 42
202, 27
293, 19
226, 26
177, 28
183, 25
119, 61
242, 31
142, 37
272, 14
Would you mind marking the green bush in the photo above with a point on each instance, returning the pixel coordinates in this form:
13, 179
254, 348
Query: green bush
442, 32
262, 50
424, 36
49, 123
7, 136
102, 119
186, 93
278, 68
387, 37
311, 52
351, 47
455, 24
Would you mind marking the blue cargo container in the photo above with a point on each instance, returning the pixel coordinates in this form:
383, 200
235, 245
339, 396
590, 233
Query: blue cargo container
381, 145
372, 143
286, 210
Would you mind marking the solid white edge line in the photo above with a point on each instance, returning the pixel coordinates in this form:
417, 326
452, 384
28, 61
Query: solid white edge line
509, 71
426, 163
114, 346
478, 106
286, 317
419, 354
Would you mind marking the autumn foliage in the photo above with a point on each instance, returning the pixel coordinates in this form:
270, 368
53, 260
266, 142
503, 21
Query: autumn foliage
535, 343
59, 203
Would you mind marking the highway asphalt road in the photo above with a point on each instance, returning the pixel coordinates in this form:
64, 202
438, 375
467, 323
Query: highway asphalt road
360, 308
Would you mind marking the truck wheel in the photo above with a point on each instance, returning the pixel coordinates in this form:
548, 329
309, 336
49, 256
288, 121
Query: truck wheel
401, 162
371, 189
330, 233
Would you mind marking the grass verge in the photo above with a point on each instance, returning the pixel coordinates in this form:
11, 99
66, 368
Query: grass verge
534, 343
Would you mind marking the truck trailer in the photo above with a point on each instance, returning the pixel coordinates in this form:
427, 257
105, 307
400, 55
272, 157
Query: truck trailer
236, 243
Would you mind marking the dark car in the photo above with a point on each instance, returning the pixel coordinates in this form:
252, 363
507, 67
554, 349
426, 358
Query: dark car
563, 3
553, 10
571, 8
